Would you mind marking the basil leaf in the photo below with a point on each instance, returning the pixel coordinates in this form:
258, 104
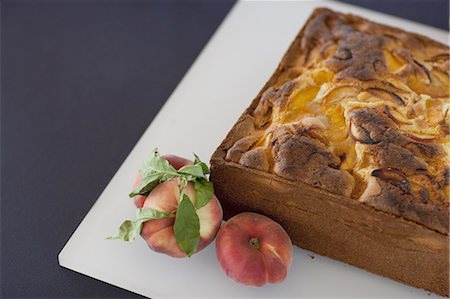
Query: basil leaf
202, 164
145, 214
154, 171
157, 164
147, 185
187, 226
129, 229
204, 191
191, 172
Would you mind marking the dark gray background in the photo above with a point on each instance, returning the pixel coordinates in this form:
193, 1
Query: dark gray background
81, 81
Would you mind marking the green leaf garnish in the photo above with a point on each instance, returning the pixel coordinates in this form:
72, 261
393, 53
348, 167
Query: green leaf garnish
129, 229
198, 170
187, 226
191, 172
157, 164
154, 171
202, 164
204, 191
147, 185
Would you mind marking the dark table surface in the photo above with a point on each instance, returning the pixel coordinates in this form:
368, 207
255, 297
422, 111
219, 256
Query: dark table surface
80, 82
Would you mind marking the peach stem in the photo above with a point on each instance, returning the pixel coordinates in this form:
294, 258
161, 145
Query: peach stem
254, 242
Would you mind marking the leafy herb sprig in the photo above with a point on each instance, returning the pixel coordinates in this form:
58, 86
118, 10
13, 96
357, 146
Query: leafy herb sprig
157, 170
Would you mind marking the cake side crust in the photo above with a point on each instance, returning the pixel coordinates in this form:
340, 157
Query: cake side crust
339, 228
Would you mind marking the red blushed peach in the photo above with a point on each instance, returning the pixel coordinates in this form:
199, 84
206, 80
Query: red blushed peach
176, 161
159, 233
138, 199
253, 250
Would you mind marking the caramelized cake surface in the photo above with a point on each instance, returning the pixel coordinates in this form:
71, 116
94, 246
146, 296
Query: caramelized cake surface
360, 110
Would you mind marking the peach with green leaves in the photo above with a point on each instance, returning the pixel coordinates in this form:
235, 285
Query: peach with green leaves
178, 213
175, 161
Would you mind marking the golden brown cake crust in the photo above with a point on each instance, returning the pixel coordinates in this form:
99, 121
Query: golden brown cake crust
361, 110
352, 125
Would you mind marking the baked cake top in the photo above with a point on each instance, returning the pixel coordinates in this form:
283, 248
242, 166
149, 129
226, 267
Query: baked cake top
358, 109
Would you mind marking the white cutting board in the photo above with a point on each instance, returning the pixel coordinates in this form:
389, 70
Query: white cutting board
230, 71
